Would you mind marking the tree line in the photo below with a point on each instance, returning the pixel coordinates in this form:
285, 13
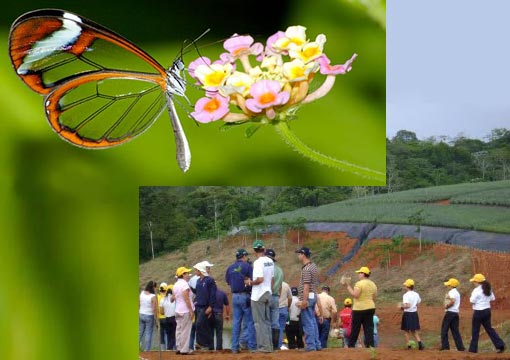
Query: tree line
412, 163
171, 217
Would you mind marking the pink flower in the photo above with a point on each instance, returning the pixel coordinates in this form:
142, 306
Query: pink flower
194, 64
271, 40
266, 94
210, 109
327, 69
240, 45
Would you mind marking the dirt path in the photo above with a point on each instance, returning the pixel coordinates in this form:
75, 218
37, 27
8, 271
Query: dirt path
336, 354
391, 341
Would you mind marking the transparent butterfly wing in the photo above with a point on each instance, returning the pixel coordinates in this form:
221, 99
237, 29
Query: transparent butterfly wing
101, 89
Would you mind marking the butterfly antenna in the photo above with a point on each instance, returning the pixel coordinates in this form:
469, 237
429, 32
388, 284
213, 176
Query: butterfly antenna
193, 42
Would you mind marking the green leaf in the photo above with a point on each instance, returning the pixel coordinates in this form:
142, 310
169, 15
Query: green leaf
376, 9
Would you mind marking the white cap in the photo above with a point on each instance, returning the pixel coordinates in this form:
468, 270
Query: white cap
201, 267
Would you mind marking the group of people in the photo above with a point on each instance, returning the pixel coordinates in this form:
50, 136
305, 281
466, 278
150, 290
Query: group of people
364, 293
480, 300
191, 309
190, 312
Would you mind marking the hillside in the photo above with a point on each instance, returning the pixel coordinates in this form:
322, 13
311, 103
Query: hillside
453, 211
435, 264
472, 206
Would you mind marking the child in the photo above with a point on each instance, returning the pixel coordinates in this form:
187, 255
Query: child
376, 334
451, 316
481, 298
410, 320
293, 331
345, 319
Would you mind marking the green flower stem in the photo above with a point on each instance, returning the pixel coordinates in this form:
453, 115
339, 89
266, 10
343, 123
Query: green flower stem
282, 128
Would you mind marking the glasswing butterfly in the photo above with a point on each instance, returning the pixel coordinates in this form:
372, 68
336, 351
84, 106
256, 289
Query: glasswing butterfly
100, 89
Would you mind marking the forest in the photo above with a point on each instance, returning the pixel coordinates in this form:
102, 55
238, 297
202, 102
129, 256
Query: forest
172, 217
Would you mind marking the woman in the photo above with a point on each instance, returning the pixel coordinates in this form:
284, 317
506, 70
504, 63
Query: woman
410, 320
363, 309
148, 314
184, 310
481, 297
167, 309
451, 316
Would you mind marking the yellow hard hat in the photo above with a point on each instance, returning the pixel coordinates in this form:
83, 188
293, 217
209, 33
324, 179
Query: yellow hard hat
408, 283
182, 270
452, 282
477, 278
364, 270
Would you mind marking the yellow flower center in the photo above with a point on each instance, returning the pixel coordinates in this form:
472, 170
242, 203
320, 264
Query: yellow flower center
310, 52
214, 78
297, 72
297, 41
212, 105
267, 98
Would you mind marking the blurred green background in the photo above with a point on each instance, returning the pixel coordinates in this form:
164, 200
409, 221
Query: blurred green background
69, 216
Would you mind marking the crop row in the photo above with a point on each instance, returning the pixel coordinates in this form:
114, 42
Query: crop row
472, 217
498, 197
438, 193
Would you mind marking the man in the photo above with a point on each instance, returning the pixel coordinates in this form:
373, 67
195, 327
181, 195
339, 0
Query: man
193, 284
204, 300
220, 304
307, 293
329, 314
237, 274
263, 273
275, 299
285, 301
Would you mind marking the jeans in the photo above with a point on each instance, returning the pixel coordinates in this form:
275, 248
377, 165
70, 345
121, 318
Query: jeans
283, 313
241, 313
146, 324
451, 322
483, 317
171, 333
218, 330
273, 306
365, 318
244, 337
262, 319
310, 328
163, 333
324, 332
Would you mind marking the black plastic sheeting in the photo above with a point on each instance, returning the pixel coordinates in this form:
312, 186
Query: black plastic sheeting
364, 232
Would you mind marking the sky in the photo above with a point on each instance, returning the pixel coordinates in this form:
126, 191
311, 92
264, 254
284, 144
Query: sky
448, 67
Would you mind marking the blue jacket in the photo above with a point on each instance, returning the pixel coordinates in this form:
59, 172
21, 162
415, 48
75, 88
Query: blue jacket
205, 292
235, 275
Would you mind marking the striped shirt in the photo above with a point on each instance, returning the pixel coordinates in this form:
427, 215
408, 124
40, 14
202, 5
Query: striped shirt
309, 275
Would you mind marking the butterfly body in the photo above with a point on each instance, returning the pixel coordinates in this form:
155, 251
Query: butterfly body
100, 89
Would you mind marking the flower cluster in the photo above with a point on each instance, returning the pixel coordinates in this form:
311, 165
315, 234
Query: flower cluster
279, 82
